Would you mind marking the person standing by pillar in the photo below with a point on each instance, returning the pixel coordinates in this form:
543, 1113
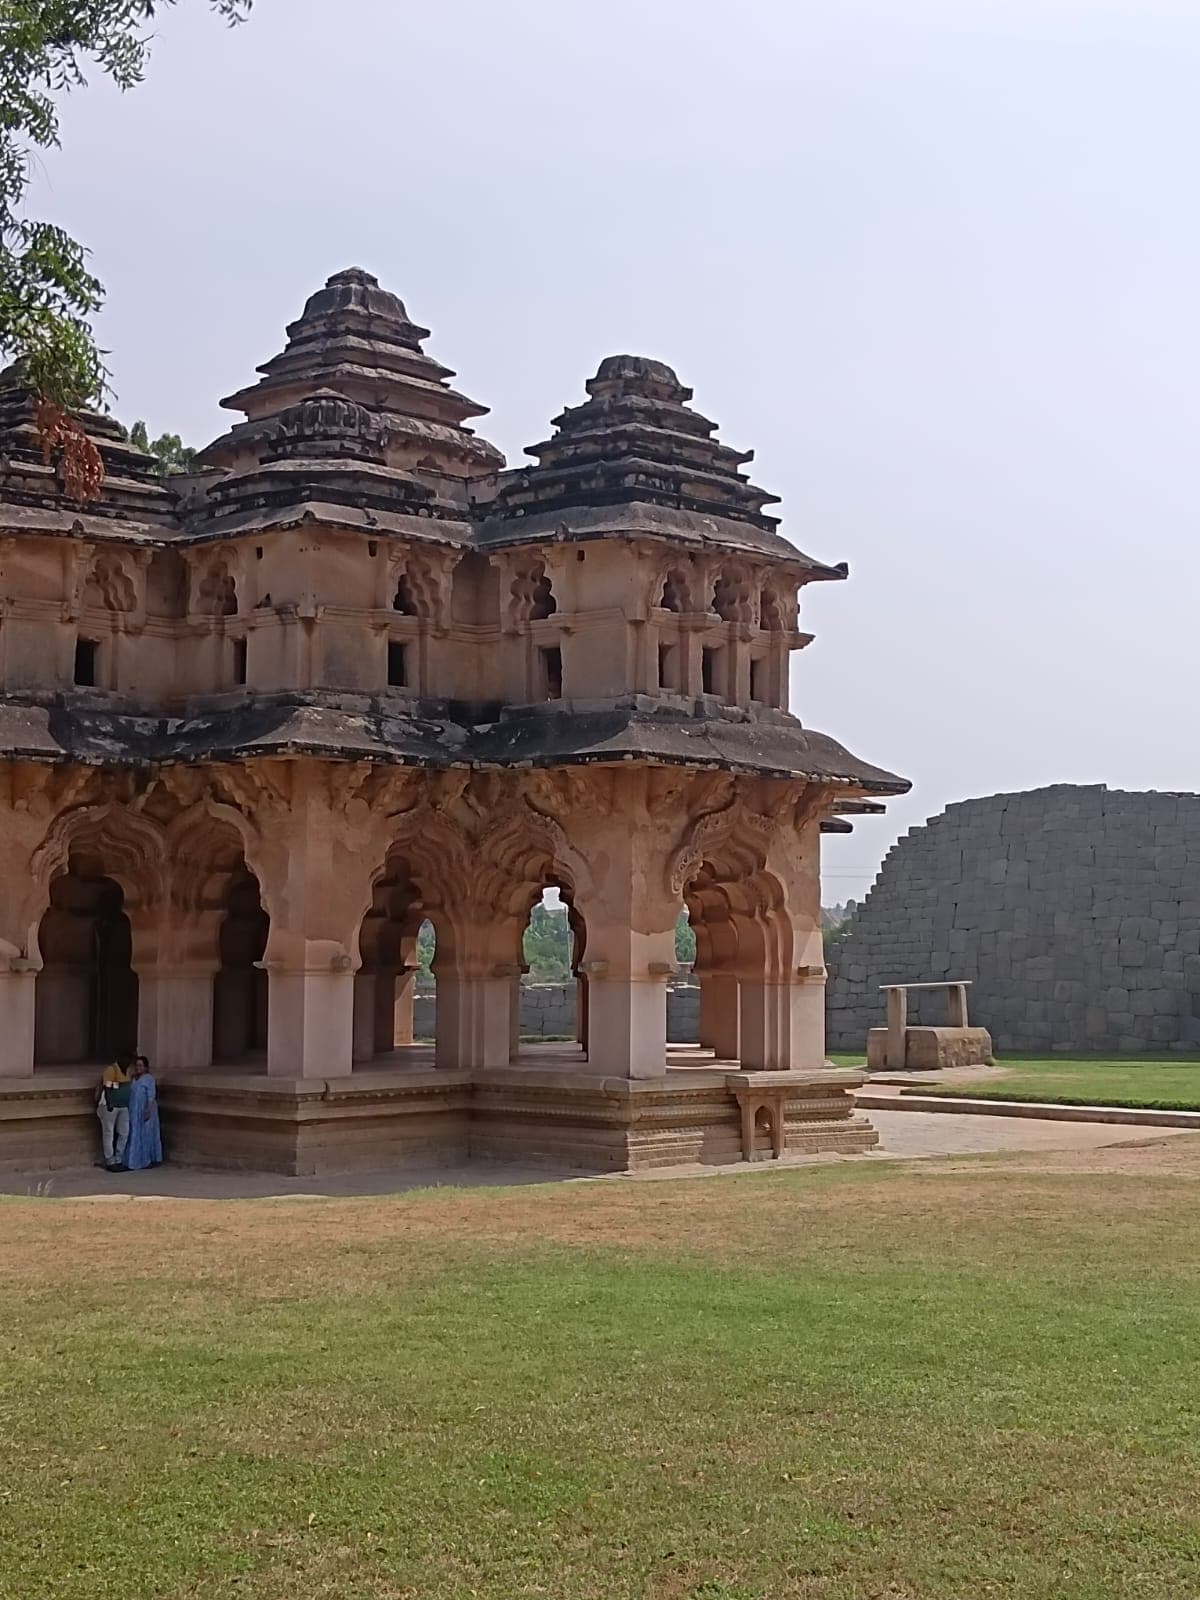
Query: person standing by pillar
112, 1108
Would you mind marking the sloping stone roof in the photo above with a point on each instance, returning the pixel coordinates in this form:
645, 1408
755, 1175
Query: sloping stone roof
431, 735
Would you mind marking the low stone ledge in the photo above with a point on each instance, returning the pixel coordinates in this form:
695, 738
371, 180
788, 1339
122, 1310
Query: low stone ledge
1132, 1116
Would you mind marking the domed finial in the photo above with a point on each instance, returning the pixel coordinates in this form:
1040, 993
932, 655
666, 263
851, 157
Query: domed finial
353, 275
640, 375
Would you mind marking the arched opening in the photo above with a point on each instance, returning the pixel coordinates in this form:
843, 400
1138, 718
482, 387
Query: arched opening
424, 1004
86, 1000
393, 988
547, 997
683, 990
746, 944
240, 983
676, 591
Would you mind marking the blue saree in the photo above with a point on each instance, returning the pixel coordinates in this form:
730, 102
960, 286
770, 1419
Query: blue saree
145, 1137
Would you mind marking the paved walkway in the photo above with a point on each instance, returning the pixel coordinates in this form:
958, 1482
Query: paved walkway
904, 1135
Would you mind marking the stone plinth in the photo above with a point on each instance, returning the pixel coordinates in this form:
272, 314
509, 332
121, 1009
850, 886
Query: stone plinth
564, 1118
929, 1049
48, 1122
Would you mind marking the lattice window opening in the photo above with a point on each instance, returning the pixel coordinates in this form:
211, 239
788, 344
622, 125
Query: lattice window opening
109, 588
676, 592
773, 612
733, 596
218, 595
533, 595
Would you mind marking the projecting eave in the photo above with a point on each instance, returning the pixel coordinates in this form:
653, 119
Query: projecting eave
336, 517
67, 522
434, 734
642, 520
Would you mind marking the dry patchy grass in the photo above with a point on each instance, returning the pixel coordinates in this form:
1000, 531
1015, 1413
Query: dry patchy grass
879, 1380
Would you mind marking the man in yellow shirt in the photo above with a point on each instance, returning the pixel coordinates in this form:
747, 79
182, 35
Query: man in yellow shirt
112, 1107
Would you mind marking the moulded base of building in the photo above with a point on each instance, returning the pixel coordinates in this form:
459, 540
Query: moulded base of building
375, 1120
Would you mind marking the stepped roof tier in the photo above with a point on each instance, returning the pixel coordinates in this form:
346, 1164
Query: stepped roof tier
324, 462
134, 504
357, 339
635, 458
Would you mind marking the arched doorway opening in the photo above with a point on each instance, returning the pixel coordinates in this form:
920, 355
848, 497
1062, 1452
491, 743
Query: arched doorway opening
240, 985
86, 998
547, 1004
746, 951
394, 983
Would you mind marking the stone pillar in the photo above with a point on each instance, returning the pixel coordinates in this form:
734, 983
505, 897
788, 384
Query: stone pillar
310, 1024
897, 1028
720, 1014
514, 1014
363, 1047
18, 984
627, 1018
956, 1005
384, 1018
581, 1011
316, 861
630, 914
175, 1015
402, 1009
474, 1027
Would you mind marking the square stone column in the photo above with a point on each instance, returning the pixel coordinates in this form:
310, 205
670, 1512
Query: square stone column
474, 1018
720, 1021
175, 1016
402, 1007
783, 1023
310, 1021
365, 988
17, 1011
630, 913
627, 1019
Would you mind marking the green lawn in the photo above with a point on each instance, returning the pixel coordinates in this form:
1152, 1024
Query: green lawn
1171, 1084
879, 1381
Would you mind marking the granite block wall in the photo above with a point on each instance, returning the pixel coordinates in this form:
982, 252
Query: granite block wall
1074, 911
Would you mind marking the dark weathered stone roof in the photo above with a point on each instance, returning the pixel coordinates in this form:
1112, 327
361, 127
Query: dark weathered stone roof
357, 339
323, 462
636, 449
134, 503
429, 735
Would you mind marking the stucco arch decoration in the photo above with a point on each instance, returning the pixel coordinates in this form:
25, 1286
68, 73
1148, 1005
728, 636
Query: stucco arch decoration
109, 585
736, 835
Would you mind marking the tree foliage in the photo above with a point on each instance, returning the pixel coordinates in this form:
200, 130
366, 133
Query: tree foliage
47, 291
169, 451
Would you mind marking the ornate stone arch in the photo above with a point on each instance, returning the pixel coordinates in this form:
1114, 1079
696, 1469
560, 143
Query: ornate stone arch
109, 585
420, 587
531, 593
735, 597
216, 591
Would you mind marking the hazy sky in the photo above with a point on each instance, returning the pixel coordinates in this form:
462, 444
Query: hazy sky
938, 263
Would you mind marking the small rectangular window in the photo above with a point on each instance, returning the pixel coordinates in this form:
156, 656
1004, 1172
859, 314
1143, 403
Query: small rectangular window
668, 674
552, 680
85, 662
397, 675
710, 670
239, 661
758, 680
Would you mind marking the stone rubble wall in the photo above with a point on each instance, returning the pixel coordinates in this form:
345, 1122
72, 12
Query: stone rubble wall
1075, 913
548, 1011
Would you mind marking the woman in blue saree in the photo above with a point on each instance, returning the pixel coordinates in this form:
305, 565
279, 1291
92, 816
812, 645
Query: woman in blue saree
145, 1137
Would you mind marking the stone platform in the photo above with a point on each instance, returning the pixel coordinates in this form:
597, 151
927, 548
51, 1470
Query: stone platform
545, 1109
